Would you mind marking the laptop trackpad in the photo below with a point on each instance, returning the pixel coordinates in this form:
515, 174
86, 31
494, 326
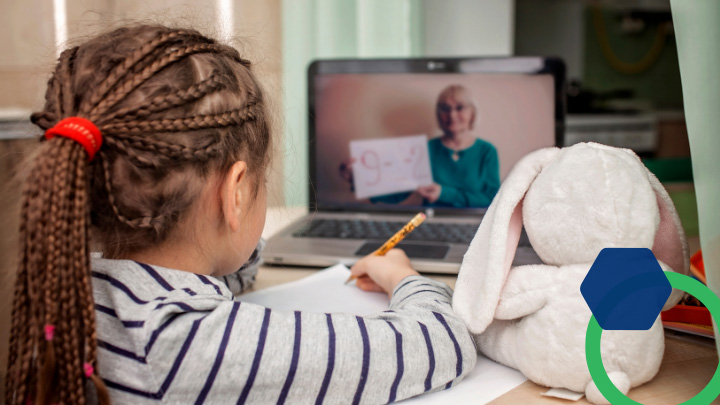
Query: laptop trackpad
414, 251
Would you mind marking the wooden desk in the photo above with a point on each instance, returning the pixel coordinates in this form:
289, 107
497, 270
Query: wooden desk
688, 364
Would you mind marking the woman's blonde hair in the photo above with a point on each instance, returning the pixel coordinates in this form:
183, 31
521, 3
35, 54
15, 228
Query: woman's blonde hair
173, 107
453, 90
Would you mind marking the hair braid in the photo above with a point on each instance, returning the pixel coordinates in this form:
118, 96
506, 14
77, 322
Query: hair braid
108, 189
47, 291
80, 257
137, 159
18, 327
126, 144
69, 351
20, 301
72, 309
81, 263
133, 82
147, 222
119, 71
71, 356
23, 330
55, 261
20, 321
44, 120
76, 356
36, 255
197, 122
165, 102
81, 260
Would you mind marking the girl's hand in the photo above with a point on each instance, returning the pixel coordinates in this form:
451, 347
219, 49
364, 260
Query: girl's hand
431, 192
382, 273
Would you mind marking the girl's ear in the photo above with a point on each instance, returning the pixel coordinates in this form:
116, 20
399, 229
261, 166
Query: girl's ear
231, 195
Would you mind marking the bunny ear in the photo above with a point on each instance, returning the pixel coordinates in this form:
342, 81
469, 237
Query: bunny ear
670, 245
488, 260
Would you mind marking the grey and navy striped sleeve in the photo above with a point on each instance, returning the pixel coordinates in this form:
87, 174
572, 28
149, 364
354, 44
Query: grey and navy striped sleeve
196, 345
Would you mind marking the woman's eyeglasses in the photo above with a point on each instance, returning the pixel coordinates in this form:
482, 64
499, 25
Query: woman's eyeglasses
447, 108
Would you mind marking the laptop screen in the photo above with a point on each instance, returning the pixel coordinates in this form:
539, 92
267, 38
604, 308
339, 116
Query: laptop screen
396, 141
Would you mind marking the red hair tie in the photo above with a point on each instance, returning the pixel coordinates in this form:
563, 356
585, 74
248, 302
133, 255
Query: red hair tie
80, 130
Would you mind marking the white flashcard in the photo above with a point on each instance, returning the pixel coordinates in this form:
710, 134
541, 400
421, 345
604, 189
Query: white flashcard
390, 165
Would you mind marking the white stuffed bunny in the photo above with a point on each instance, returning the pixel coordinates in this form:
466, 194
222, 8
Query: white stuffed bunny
573, 203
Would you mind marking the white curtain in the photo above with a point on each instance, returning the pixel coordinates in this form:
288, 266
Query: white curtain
315, 29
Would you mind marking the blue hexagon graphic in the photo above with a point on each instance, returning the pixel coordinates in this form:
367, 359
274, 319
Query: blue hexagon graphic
625, 289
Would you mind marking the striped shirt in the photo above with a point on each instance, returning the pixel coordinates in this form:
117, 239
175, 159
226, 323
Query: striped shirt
177, 337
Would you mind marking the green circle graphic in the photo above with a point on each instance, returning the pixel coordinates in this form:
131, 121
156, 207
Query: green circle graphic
594, 359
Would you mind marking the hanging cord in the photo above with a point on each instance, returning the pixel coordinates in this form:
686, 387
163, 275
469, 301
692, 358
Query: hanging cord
615, 62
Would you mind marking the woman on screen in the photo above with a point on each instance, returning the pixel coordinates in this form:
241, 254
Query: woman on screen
465, 169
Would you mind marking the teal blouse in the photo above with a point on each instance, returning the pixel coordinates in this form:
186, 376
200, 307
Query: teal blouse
471, 181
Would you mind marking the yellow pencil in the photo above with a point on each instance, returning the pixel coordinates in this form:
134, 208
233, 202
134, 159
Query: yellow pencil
397, 238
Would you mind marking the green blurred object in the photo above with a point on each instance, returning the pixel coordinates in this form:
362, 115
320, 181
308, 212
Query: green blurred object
677, 176
686, 206
671, 170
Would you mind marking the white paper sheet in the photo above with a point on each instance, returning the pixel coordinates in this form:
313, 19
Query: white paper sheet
325, 291
562, 393
390, 165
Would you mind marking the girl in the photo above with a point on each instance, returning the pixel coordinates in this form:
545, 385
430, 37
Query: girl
157, 139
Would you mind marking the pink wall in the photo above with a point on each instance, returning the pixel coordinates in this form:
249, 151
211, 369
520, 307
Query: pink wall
515, 113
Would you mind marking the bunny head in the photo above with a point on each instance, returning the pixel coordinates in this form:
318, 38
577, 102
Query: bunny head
573, 203
588, 198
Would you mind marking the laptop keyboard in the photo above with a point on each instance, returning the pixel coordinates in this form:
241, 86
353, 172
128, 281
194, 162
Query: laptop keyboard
383, 230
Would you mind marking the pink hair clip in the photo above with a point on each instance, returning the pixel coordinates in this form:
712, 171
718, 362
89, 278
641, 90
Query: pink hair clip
49, 332
89, 370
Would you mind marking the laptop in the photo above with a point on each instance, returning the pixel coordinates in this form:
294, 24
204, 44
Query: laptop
393, 137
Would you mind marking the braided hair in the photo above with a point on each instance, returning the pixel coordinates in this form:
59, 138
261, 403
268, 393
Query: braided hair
173, 107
